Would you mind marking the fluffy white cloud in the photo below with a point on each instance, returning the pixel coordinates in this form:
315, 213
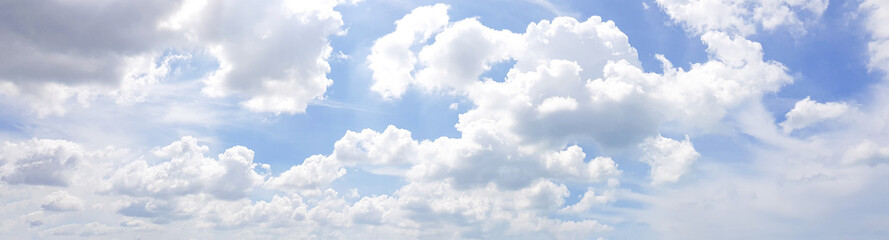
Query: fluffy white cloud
669, 159
807, 112
314, 172
508, 174
273, 54
393, 146
188, 172
867, 152
61, 201
589, 200
569, 164
178, 185
40, 162
877, 13
553, 94
89, 51
119, 49
742, 16
391, 58
92, 229
465, 49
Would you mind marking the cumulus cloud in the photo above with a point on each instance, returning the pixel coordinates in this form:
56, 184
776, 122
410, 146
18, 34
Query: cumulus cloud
553, 94
391, 58
517, 159
669, 159
61, 201
465, 49
867, 152
569, 164
256, 53
230, 176
40, 162
120, 49
86, 52
178, 184
742, 16
807, 112
92, 229
590, 199
877, 13
316, 171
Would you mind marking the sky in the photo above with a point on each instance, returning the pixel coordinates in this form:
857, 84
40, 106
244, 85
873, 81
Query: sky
395, 119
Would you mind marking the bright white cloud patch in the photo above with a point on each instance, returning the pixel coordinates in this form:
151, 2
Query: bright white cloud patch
392, 60
40, 162
274, 54
877, 14
88, 51
669, 159
61, 201
867, 152
807, 112
558, 130
590, 199
742, 16
186, 188
188, 172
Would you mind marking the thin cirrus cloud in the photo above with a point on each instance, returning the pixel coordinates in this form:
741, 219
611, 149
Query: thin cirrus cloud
574, 140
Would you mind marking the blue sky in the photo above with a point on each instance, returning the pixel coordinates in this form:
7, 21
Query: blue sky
655, 119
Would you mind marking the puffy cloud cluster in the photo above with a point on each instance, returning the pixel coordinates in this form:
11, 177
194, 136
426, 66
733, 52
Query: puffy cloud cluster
743, 16
62, 201
119, 49
668, 158
184, 187
877, 13
465, 49
40, 162
273, 54
188, 172
517, 170
822, 173
807, 112
571, 81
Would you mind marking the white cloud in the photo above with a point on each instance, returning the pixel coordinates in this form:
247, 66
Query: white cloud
742, 16
876, 15
461, 53
589, 200
543, 95
119, 49
807, 112
867, 152
556, 104
179, 186
188, 172
315, 172
61, 201
391, 58
669, 159
569, 164
393, 146
92, 229
257, 54
87, 52
40, 162
465, 49
508, 173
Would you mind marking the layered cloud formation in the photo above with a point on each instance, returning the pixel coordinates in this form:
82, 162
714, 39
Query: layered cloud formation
574, 140
273, 55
